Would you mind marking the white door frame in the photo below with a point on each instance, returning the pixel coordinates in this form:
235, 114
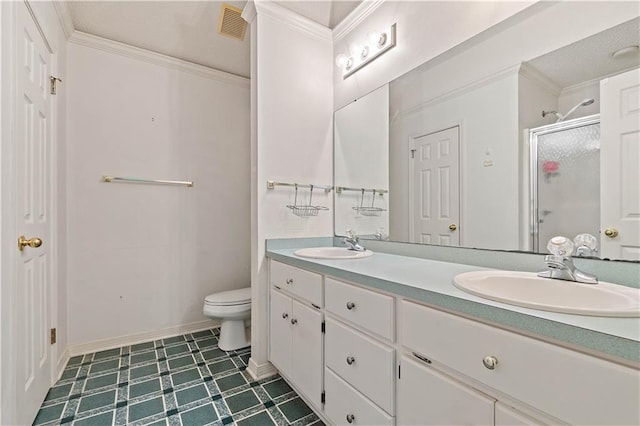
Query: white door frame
8, 195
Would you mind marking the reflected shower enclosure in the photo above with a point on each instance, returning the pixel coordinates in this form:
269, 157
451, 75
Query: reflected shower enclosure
565, 180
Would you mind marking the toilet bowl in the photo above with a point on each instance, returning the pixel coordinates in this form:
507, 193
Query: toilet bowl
232, 308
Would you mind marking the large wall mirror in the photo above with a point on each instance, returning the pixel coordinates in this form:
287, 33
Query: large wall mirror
548, 146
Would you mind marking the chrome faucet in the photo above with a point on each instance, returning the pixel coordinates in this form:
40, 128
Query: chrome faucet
351, 241
561, 265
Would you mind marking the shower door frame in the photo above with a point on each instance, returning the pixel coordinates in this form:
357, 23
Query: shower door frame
534, 226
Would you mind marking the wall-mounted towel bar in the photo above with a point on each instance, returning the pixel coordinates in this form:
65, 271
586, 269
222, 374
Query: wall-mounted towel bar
272, 184
339, 190
154, 181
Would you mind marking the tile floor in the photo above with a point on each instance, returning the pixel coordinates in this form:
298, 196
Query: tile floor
183, 380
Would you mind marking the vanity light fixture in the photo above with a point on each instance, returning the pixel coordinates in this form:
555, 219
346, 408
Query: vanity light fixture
378, 43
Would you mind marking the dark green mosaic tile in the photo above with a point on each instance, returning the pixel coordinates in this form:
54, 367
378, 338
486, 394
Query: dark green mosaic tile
76, 360
213, 354
143, 371
144, 388
294, 409
59, 392
183, 361
242, 401
142, 346
174, 350
201, 334
101, 381
145, 409
69, 373
143, 357
245, 358
185, 377
221, 366
162, 422
192, 394
199, 416
104, 419
104, 366
171, 340
261, 419
48, 414
98, 400
277, 388
230, 382
106, 354
205, 343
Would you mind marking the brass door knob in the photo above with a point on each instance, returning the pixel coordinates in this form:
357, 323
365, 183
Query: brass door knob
453, 227
611, 232
31, 242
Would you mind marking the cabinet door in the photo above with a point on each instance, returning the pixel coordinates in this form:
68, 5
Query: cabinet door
307, 351
280, 331
509, 416
428, 397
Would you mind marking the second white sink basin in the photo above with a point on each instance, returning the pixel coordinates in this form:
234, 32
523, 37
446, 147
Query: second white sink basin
528, 290
332, 253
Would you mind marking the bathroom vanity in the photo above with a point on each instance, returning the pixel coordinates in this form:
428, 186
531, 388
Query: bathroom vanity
389, 340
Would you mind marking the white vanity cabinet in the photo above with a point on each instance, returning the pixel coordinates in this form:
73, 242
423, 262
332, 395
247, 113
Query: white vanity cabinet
568, 385
295, 325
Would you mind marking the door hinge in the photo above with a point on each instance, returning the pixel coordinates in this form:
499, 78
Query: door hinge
53, 336
322, 397
398, 371
413, 153
323, 329
53, 81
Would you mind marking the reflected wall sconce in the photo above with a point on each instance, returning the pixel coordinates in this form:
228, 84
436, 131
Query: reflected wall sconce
377, 44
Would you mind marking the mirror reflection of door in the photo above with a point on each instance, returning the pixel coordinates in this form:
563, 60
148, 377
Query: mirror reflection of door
435, 188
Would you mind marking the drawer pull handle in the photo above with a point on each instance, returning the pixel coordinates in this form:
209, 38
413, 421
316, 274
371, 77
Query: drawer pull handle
289, 281
351, 418
294, 321
351, 305
490, 362
350, 360
285, 315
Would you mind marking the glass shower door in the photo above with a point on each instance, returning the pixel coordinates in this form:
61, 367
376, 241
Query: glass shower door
565, 180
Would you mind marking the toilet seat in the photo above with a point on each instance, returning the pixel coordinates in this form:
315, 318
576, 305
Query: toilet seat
229, 298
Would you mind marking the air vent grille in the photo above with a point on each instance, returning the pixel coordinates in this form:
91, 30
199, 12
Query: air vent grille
231, 23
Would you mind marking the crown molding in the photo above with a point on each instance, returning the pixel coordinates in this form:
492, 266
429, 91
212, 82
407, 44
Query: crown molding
532, 73
354, 19
293, 20
64, 17
148, 56
249, 12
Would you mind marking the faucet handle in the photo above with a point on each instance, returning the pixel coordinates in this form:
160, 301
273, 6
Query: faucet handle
560, 246
351, 235
586, 245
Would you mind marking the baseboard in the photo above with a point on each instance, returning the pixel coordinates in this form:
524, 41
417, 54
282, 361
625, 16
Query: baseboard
262, 371
132, 339
62, 363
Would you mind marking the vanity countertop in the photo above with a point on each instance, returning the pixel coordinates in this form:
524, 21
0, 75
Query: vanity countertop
431, 282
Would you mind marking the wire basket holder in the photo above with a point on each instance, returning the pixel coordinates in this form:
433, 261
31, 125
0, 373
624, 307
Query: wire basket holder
302, 210
369, 210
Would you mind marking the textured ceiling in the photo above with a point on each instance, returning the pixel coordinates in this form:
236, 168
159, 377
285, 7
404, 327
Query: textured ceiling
590, 58
187, 29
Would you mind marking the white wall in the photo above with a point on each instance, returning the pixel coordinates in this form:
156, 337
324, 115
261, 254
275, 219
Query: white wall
142, 257
292, 71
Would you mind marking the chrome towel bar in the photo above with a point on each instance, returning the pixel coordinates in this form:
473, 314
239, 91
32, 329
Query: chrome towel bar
154, 181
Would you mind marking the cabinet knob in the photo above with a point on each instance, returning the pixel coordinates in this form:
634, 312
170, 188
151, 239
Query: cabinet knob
351, 418
350, 360
490, 362
285, 315
289, 281
294, 321
350, 305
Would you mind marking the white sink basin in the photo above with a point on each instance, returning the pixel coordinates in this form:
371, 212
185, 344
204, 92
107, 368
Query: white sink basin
332, 253
528, 290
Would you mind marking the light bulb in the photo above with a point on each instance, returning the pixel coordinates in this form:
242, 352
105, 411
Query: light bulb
377, 38
343, 61
364, 52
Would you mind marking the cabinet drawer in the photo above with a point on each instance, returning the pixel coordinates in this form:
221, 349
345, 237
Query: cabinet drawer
344, 403
370, 310
574, 387
364, 363
305, 284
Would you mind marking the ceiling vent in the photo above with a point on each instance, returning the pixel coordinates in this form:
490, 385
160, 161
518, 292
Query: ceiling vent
231, 23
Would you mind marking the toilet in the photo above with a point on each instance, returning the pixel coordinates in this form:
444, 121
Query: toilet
232, 308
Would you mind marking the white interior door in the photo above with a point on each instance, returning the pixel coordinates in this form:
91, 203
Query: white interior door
435, 188
32, 141
619, 166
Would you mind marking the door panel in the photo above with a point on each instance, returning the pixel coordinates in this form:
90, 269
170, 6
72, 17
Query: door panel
280, 329
307, 359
